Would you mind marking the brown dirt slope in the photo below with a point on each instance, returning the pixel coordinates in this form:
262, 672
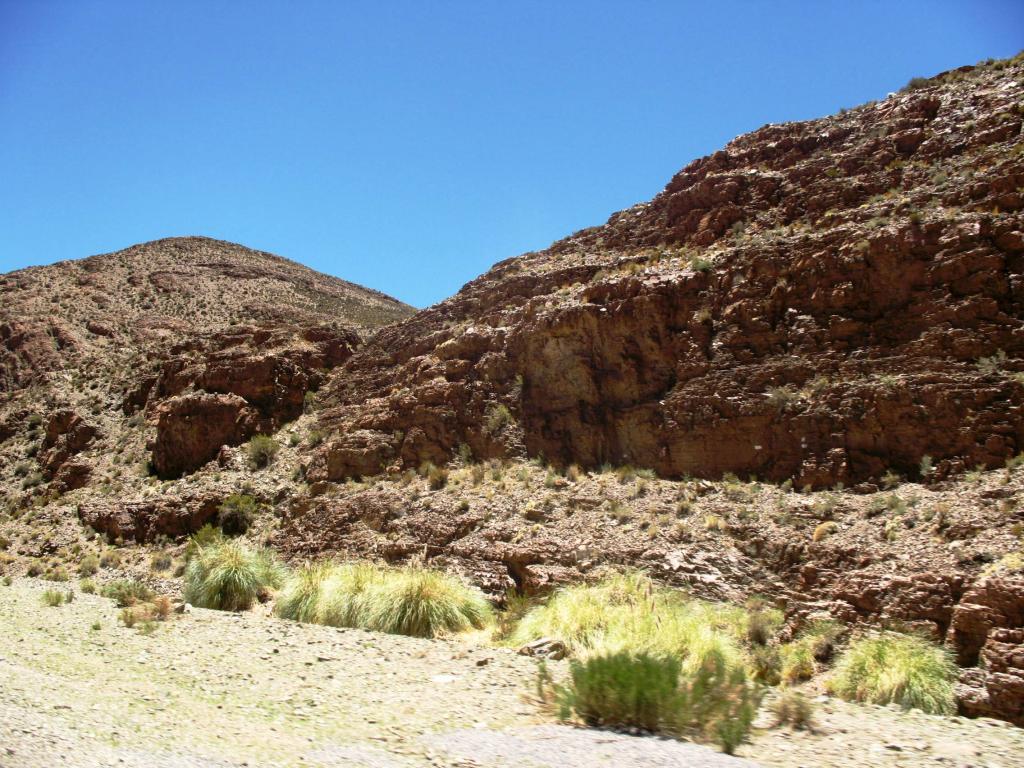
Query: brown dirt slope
820, 301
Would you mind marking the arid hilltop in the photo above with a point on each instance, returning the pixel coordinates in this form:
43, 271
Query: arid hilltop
798, 372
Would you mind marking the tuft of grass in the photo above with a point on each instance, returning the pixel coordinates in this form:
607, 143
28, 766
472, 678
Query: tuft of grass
653, 692
53, 598
261, 451
88, 586
206, 536
797, 662
824, 530
893, 668
794, 709
423, 603
89, 565
229, 576
127, 592
406, 601
161, 561
627, 612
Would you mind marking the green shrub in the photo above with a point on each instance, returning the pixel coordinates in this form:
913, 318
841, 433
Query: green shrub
651, 691
423, 603
53, 598
902, 669
407, 601
628, 612
127, 592
236, 513
206, 536
89, 565
797, 662
88, 586
261, 451
229, 576
497, 416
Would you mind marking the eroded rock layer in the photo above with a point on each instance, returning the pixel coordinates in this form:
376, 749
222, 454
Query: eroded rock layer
822, 301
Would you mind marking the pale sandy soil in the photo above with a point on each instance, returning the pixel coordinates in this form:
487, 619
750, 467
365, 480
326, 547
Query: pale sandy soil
219, 689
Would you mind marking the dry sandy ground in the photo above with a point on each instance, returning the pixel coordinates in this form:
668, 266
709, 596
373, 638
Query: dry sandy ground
216, 689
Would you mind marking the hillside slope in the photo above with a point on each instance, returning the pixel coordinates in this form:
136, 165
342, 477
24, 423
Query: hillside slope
822, 302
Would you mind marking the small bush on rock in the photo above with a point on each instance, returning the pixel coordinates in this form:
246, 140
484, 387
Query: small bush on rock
236, 513
902, 669
261, 451
229, 576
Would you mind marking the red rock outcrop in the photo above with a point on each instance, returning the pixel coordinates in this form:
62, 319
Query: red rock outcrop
66, 434
144, 520
190, 430
821, 301
260, 374
988, 627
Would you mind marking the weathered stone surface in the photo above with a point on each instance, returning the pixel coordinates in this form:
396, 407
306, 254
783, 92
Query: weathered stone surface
988, 627
144, 520
66, 433
190, 429
270, 371
796, 306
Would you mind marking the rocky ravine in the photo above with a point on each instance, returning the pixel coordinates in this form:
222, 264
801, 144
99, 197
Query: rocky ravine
825, 305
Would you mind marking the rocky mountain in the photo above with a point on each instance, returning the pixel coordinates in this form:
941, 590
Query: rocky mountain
207, 329
822, 302
798, 372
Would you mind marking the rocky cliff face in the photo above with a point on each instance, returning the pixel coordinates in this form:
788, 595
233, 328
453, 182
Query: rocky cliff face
823, 302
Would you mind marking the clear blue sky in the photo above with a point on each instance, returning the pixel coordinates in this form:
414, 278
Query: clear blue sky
409, 146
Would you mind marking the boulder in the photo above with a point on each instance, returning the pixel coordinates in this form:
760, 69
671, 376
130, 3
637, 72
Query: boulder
190, 430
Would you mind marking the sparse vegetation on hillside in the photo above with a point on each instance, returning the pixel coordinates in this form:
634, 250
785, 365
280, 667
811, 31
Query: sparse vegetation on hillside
261, 451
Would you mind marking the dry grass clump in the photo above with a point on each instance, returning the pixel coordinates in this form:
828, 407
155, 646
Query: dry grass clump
407, 601
53, 598
824, 530
902, 669
814, 644
229, 576
651, 691
794, 709
159, 609
628, 612
127, 592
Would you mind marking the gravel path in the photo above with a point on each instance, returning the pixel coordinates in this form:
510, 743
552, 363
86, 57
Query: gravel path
218, 689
